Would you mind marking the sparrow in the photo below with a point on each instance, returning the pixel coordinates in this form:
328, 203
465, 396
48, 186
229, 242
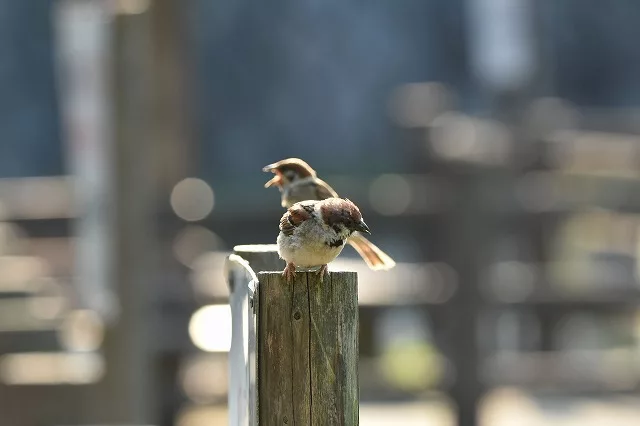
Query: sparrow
314, 232
297, 181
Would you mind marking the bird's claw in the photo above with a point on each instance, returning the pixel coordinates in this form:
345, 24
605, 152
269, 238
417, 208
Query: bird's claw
289, 272
324, 269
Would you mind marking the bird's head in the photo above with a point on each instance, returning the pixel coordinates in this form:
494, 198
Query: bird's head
287, 171
342, 215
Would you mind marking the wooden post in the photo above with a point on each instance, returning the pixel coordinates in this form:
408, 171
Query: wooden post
308, 349
303, 337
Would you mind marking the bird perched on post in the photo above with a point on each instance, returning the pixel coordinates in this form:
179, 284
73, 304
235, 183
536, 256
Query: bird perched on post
297, 181
313, 233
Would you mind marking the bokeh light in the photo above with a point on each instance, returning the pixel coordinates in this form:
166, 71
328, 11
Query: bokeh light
390, 195
192, 199
193, 241
412, 365
202, 415
210, 328
81, 331
204, 378
418, 104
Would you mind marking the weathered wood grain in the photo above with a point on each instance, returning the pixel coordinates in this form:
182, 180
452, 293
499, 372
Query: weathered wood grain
301, 372
348, 350
275, 351
308, 349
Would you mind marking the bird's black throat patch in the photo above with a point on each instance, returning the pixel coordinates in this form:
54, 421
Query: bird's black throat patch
335, 243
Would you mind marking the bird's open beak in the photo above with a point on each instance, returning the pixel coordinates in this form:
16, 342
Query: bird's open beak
276, 180
362, 227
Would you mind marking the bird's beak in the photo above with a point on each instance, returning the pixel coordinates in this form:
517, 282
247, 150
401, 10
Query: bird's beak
269, 168
276, 180
362, 227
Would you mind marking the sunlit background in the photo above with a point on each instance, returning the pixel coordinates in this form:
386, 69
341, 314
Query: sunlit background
493, 146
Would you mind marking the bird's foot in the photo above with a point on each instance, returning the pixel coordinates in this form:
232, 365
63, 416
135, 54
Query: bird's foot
289, 272
324, 269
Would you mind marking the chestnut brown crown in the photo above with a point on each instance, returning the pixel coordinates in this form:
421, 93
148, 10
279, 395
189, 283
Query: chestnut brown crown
341, 211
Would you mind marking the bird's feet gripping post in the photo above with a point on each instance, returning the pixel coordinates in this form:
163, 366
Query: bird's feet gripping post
289, 272
324, 269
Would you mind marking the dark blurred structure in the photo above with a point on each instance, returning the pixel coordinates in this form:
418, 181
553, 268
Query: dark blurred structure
493, 145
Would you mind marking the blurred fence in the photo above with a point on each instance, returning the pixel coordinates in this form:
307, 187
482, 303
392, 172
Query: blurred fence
514, 215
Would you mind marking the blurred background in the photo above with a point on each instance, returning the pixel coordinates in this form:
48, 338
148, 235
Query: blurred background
493, 146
